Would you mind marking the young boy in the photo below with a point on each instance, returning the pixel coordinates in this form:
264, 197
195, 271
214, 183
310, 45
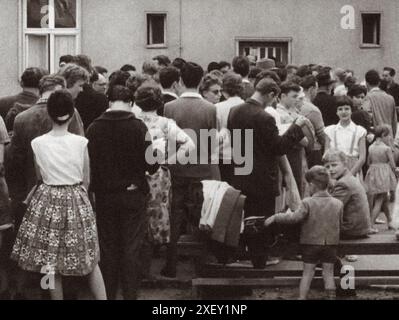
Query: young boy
348, 189
320, 216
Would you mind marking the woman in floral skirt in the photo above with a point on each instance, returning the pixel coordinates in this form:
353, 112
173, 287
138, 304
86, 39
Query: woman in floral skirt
58, 235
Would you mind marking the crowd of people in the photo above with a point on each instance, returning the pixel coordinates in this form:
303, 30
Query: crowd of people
79, 196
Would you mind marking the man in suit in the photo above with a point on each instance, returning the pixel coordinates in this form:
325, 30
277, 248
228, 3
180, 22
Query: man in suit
30, 91
260, 186
380, 103
190, 112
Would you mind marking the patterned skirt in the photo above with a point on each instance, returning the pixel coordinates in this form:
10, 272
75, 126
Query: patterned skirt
158, 206
380, 178
58, 233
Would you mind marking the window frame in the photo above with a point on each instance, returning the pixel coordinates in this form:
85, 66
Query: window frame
52, 32
370, 45
159, 45
287, 40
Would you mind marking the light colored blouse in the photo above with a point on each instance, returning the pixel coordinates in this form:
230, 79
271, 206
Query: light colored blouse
60, 158
346, 139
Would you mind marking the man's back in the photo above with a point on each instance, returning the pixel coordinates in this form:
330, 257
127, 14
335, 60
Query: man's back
267, 146
117, 149
328, 108
24, 97
194, 114
91, 105
382, 106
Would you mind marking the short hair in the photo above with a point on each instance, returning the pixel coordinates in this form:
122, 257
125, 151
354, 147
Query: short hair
217, 73
120, 93
287, 87
48, 83
356, 89
319, 176
149, 97
208, 81
31, 77
168, 76
341, 101
162, 60
73, 73
191, 75
304, 71
266, 86
267, 74
291, 66
340, 74
136, 80
392, 71
66, 59
224, 64
232, 84
350, 82
295, 79
117, 78
282, 73
382, 131
94, 77
128, 67
334, 155
59, 105
100, 69
84, 61
179, 63
241, 66
373, 78
213, 66
150, 68
308, 82
253, 72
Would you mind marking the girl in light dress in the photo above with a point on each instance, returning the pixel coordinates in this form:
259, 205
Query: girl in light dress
380, 178
58, 234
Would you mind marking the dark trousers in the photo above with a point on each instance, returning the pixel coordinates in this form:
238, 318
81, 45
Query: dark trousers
258, 245
314, 158
187, 200
226, 172
122, 224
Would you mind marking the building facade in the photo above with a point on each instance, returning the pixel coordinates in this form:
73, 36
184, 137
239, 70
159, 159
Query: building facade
356, 34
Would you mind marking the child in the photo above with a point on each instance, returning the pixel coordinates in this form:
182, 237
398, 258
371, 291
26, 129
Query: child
320, 216
380, 178
58, 234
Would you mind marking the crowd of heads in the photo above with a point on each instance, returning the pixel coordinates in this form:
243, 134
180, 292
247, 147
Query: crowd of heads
221, 80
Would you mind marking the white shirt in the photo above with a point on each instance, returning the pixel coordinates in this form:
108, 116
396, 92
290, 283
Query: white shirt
60, 158
340, 91
344, 137
274, 113
191, 95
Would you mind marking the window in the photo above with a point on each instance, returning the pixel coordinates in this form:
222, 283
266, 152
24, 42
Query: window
260, 49
51, 29
156, 30
371, 29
